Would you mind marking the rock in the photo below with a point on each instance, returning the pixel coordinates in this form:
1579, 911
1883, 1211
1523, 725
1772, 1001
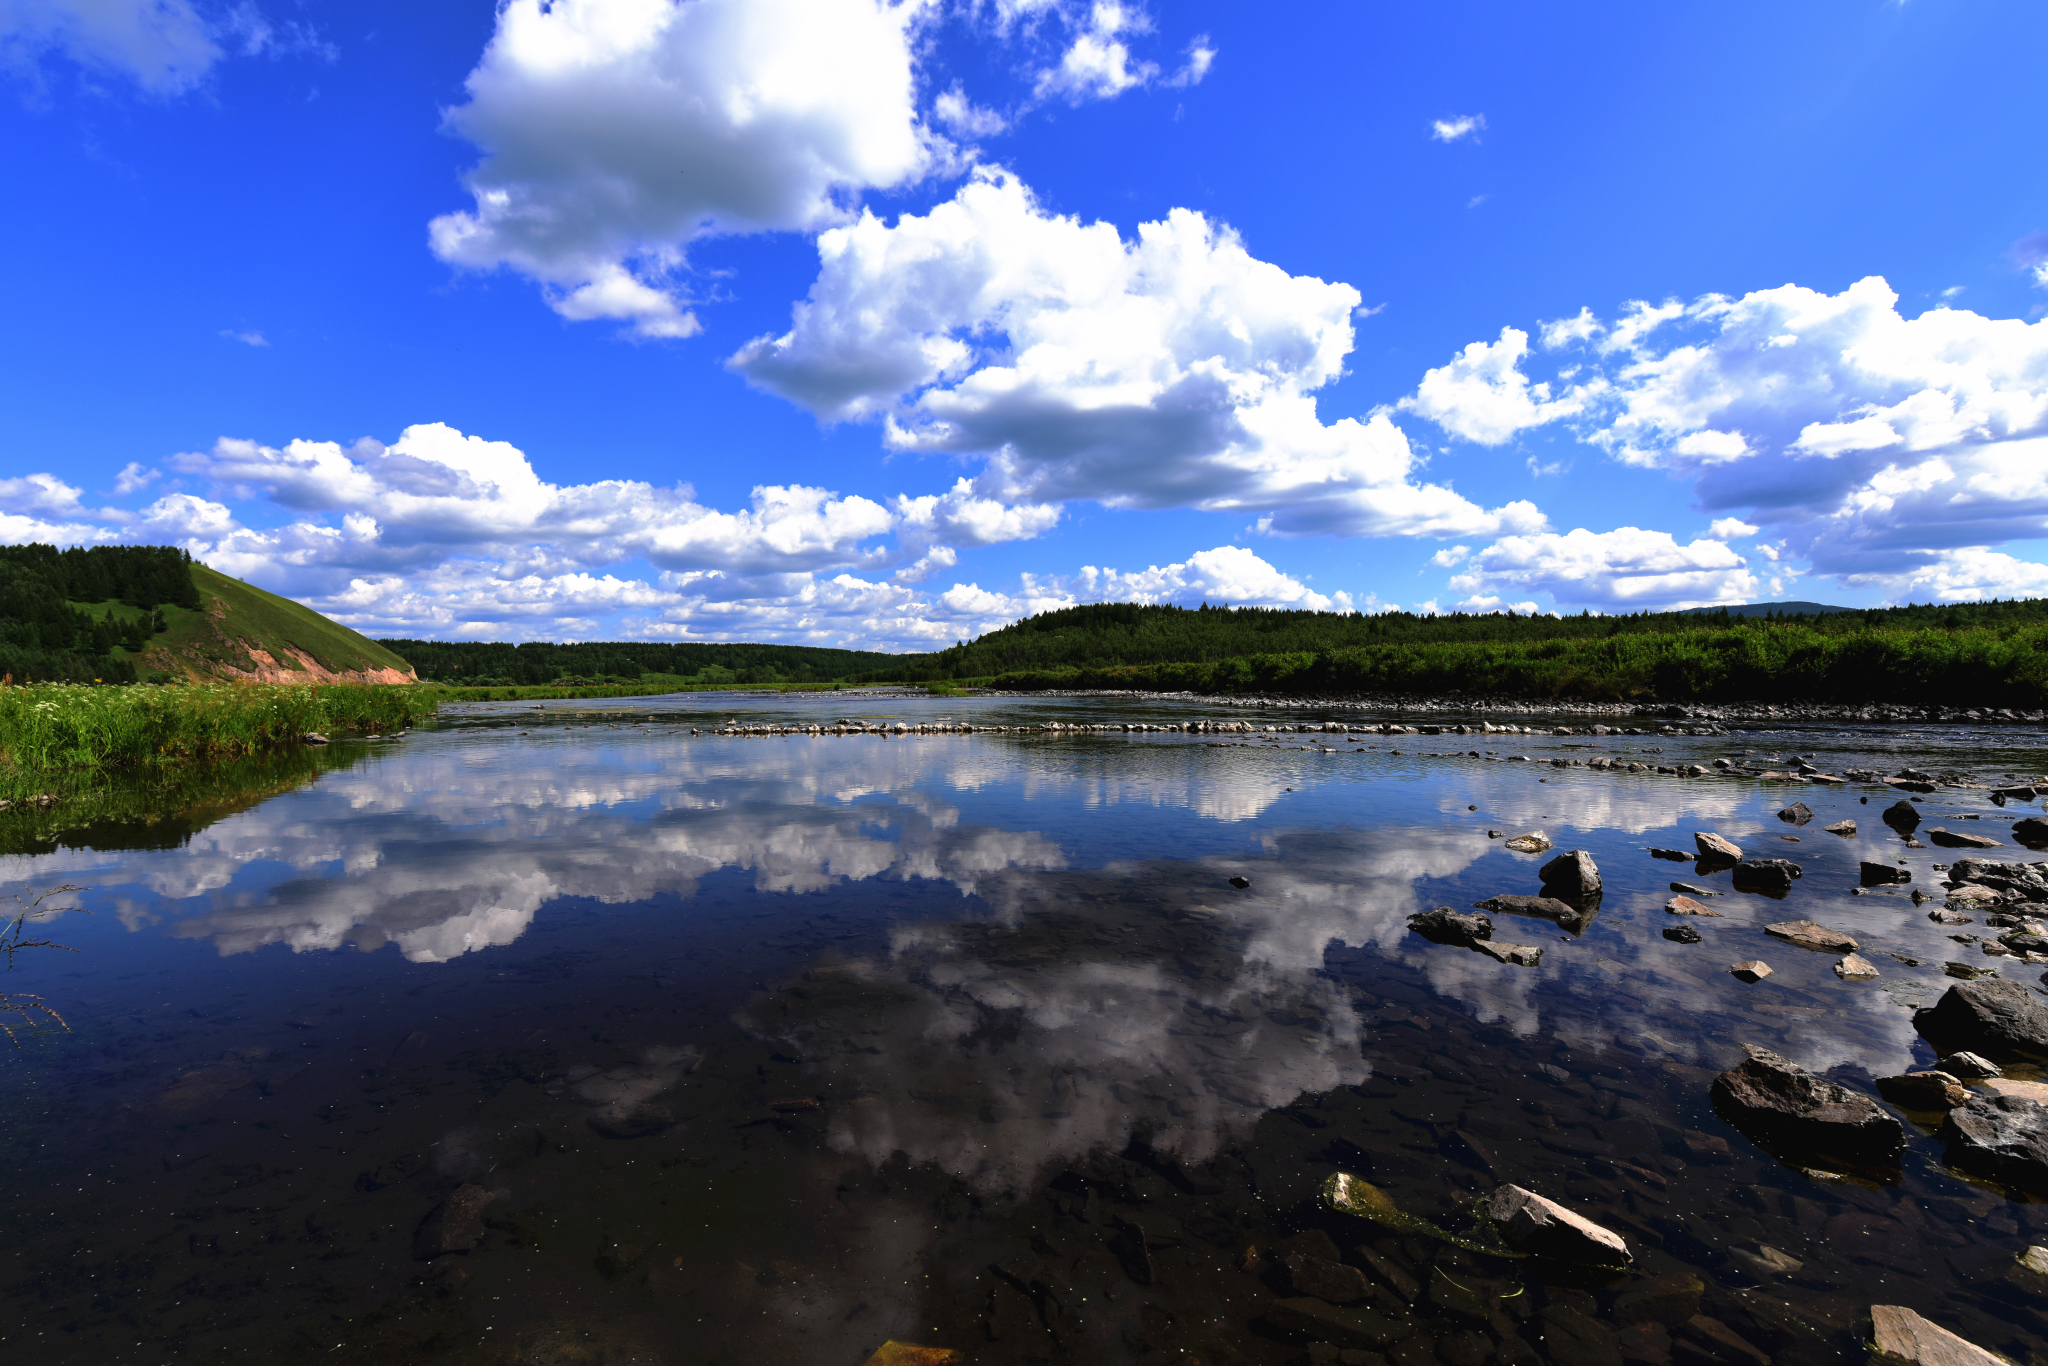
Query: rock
1675, 855
1541, 907
313, 737
1900, 1335
1846, 829
1668, 1300
894, 1353
1766, 1261
2003, 1138
1570, 875
1882, 874
1685, 905
1776, 1101
2019, 881
1691, 890
1714, 1341
1326, 1280
1902, 816
454, 1225
1909, 784
1799, 813
2019, 1090
1991, 1016
1967, 972
1856, 968
1682, 934
1540, 1227
2002, 795
2029, 1271
1949, 839
1808, 935
1319, 1322
1535, 842
1767, 876
1923, 1091
2032, 832
1240, 882
1714, 849
1751, 970
1951, 918
1520, 955
1969, 1066
1970, 894
1446, 926
2024, 940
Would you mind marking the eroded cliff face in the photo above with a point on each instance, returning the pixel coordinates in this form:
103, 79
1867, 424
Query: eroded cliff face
219, 654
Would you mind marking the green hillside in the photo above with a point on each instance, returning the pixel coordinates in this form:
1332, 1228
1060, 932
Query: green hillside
236, 620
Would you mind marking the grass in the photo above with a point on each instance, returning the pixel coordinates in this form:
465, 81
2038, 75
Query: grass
69, 726
240, 615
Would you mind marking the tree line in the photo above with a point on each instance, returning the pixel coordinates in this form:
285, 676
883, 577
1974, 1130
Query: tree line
48, 633
503, 664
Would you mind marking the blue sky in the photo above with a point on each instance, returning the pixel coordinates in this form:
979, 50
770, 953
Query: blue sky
847, 322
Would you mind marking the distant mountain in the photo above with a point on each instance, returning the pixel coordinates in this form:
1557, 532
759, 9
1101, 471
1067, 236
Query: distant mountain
1769, 609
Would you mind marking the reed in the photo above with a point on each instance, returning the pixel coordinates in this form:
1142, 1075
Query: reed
46, 727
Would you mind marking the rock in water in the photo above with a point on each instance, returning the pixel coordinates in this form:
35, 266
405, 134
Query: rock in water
1682, 934
1240, 882
1714, 849
1519, 955
1882, 874
1846, 829
1777, 1102
1446, 926
1535, 842
1685, 905
2020, 881
2032, 832
1571, 875
1949, 839
1991, 1015
455, 1225
2004, 1138
1528, 1222
1768, 876
1751, 970
1542, 907
1856, 968
1902, 1336
1923, 1091
1969, 1066
1799, 813
1903, 817
1326, 1280
1807, 935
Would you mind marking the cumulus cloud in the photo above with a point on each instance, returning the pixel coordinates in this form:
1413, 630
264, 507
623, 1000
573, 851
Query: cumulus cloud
2031, 252
1970, 575
1458, 127
1097, 64
1731, 529
1873, 444
1228, 574
616, 131
133, 478
1627, 568
1173, 371
166, 47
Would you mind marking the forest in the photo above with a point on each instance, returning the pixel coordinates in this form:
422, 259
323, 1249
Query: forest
501, 664
58, 617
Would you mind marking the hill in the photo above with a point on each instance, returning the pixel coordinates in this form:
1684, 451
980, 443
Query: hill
1767, 609
241, 631
502, 664
77, 615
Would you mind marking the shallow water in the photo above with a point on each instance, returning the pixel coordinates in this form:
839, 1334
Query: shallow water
773, 1048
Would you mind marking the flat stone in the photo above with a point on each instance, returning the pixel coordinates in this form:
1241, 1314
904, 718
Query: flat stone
1950, 839
1539, 1226
1535, 842
1799, 813
1923, 1091
1571, 874
1969, 1066
1685, 905
1882, 874
1714, 849
1775, 1100
1715, 1341
1751, 970
1991, 1016
2002, 1138
1446, 926
1675, 855
1808, 935
1690, 890
1856, 968
2021, 1090
1541, 907
1900, 1335
1846, 829
1970, 894
1520, 955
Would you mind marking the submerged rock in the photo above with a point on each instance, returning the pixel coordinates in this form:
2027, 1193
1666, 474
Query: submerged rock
1520, 955
1675, 855
1991, 1016
1536, 1225
1535, 842
454, 1225
1571, 875
1900, 1335
1799, 813
1541, 907
1691, 890
1714, 849
1950, 839
1808, 935
1777, 1102
1923, 1091
2003, 1138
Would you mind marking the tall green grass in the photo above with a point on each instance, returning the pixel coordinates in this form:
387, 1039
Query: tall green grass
60, 726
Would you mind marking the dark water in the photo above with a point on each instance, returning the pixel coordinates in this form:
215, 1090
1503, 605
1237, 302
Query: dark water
771, 1049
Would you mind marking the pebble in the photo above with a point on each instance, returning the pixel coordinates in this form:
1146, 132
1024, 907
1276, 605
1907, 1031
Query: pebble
1752, 970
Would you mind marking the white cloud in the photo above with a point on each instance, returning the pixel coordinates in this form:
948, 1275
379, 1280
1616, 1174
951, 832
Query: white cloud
1626, 568
165, 46
965, 118
1871, 443
616, 131
1450, 557
133, 478
1961, 576
1097, 65
40, 493
1173, 371
1731, 529
1227, 574
246, 338
1483, 396
2031, 254
1490, 602
1457, 127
